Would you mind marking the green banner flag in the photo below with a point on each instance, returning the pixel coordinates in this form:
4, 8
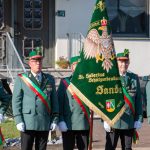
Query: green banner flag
96, 80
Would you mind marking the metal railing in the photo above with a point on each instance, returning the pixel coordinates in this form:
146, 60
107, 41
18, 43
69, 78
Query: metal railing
13, 60
75, 43
13, 53
10, 61
9, 73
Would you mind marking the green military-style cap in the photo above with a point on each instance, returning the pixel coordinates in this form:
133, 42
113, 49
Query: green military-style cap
124, 55
36, 53
74, 59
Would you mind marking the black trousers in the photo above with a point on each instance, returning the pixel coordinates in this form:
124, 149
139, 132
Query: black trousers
81, 138
29, 137
125, 137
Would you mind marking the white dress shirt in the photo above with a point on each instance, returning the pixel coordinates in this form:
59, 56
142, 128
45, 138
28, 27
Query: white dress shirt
37, 76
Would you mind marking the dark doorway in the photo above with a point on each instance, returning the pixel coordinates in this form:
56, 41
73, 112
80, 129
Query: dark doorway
35, 27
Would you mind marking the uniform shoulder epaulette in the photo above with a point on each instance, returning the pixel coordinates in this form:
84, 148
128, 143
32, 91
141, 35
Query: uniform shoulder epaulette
129, 71
132, 74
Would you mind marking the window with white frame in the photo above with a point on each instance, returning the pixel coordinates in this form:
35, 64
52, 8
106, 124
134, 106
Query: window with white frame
29, 44
128, 17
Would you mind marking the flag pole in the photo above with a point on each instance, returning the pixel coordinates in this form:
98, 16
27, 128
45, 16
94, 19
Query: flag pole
91, 131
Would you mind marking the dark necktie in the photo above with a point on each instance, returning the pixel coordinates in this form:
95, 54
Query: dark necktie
38, 78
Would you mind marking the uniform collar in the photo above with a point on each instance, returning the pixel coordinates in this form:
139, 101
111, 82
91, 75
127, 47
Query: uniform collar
34, 74
123, 75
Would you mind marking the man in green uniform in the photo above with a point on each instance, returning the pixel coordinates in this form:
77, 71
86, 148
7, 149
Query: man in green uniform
35, 104
131, 120
74, 118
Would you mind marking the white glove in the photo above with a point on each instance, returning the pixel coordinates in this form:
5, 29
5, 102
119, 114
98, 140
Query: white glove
1, 118
62, 126
53, 127
137, 125
21, 127
107, 127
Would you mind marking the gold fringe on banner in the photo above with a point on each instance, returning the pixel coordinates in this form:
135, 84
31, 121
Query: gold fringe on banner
95, 109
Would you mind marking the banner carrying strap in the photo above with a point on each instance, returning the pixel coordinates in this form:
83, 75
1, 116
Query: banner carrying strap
42, 96
76, 98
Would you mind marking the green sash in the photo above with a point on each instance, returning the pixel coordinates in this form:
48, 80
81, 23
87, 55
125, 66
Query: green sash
129, 101
76, 98
42, 96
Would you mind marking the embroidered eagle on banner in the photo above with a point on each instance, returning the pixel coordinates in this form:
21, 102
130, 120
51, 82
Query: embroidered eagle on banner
100, 47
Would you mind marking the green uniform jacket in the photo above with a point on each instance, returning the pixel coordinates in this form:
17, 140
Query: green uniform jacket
147, 93
28, 108
5, 99
70, 111
127, 120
